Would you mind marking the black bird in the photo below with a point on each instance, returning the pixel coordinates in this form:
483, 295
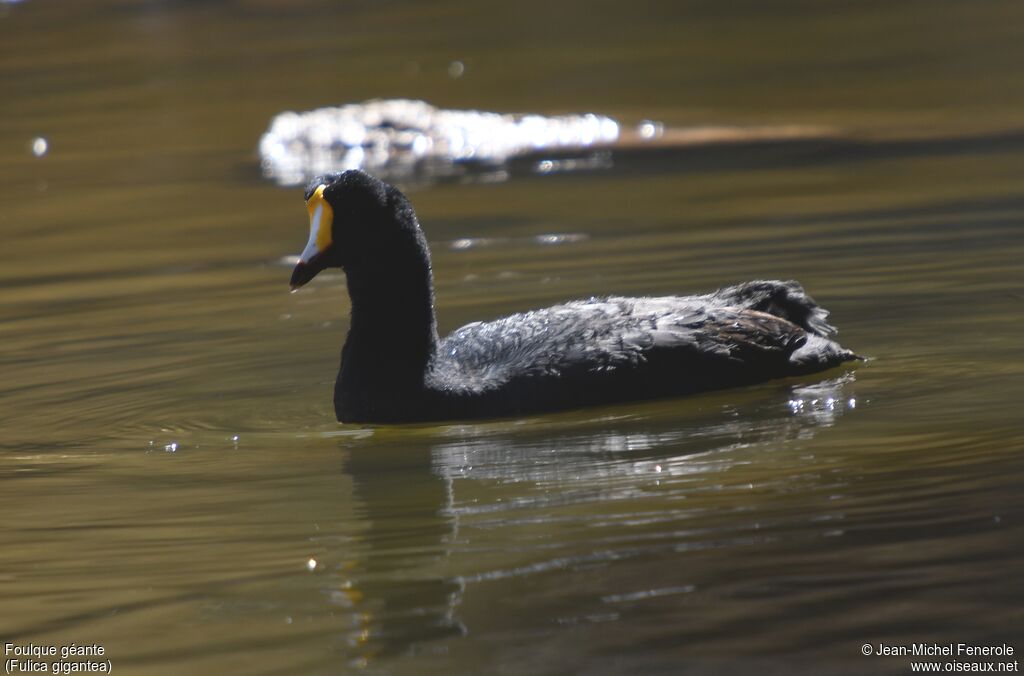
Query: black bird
585, 352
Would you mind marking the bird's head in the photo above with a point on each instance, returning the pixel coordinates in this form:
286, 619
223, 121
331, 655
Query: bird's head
352, 216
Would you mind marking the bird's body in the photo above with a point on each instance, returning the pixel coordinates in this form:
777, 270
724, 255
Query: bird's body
604, 350
581, 353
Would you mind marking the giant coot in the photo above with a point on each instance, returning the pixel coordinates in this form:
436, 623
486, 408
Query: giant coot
585, 352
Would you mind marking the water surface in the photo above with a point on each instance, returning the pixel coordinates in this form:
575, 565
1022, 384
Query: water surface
173, 483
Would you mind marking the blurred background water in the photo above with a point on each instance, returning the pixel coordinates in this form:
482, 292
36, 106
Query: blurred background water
172, 481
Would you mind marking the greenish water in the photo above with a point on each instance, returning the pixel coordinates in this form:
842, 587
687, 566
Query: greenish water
169, 463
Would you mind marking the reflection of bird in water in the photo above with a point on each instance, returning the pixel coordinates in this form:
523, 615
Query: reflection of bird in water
616, 452
439, 504
597, 351
393, 582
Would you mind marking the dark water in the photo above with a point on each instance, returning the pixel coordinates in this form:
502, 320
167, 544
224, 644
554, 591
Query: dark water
173, 485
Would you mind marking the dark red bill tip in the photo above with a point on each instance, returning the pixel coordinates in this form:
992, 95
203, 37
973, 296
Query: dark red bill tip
304, 272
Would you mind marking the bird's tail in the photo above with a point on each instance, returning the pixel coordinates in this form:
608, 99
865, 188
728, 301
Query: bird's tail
820, 353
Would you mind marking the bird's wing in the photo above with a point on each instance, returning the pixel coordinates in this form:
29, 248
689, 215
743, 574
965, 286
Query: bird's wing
611, 334
786, 300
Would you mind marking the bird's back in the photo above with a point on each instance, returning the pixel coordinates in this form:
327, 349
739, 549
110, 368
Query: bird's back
603, 350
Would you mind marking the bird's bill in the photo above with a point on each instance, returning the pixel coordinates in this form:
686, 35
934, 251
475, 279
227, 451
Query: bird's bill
304, 272
312, 259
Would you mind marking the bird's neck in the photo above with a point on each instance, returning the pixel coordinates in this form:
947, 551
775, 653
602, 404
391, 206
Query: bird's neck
393, 333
